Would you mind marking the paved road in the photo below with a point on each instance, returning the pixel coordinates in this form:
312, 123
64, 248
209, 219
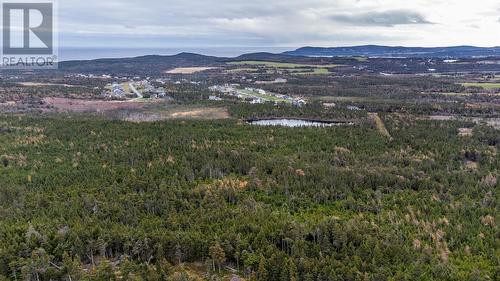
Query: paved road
132, 87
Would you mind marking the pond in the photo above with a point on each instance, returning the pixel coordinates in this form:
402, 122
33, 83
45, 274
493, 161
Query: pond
294, 123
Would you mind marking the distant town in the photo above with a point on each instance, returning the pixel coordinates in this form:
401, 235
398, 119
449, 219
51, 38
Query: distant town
140, 89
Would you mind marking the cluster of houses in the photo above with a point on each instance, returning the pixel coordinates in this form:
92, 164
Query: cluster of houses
117, 91
298, 102
353, 108
150, 91
142, 88
235, 91
275, 81
214, 98
225, 89
91, 76
164, 81
254, 95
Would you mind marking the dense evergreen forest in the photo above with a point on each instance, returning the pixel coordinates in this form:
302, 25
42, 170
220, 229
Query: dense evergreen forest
84, 198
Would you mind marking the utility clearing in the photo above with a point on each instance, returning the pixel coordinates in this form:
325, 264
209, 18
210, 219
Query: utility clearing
380, 125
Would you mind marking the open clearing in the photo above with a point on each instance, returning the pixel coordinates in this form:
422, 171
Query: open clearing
488, 86
199, 113
183, 112
361, 59
189, 70
81, 106
281, 64
35, 84
137, 110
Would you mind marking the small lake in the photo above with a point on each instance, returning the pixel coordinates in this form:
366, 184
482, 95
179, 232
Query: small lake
297, 123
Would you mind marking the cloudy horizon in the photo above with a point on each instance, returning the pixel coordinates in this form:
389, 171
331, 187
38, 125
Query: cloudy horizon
293, 23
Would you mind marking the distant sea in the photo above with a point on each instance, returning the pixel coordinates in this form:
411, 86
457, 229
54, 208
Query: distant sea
66, 54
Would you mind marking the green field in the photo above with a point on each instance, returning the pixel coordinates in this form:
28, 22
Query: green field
316, 71
488, 86
281, 64
361, 59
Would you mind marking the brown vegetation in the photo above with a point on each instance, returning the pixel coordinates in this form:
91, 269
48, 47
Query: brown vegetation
81, 106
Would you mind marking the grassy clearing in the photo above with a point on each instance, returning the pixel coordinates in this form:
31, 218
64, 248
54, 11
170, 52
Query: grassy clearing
316, 71
281, 64
361, 59
126, 87
487, 86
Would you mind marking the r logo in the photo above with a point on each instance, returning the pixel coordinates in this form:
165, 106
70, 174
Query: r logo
28, 28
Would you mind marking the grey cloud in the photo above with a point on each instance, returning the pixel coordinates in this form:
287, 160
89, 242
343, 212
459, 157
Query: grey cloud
244, 22
178, 12
385, 18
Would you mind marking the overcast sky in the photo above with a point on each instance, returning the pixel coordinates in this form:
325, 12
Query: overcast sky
276, 23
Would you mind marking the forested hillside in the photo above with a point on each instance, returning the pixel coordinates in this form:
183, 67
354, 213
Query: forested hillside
83, 198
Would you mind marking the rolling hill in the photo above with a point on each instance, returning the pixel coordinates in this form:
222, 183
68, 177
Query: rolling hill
386, 51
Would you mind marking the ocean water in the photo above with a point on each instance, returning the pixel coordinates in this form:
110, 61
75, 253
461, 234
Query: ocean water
66, 54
